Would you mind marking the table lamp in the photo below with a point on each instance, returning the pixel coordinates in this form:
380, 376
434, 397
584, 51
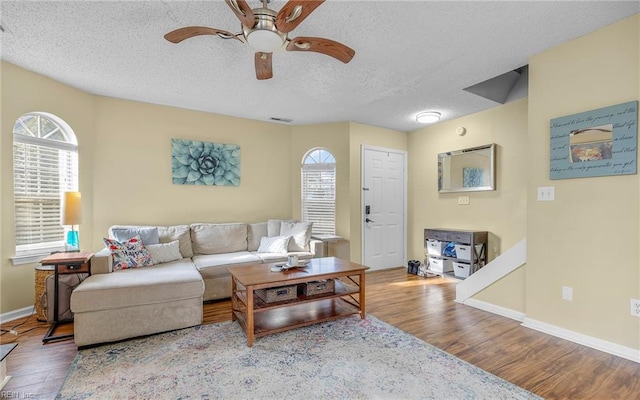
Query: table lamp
71, 214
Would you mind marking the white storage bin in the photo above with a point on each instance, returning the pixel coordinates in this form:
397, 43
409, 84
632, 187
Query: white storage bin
435, 247
440, 265
461, 270
463, 252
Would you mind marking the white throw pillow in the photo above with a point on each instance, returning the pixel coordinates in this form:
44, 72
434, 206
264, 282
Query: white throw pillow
274, 244
300, 232
164, 252
274, 225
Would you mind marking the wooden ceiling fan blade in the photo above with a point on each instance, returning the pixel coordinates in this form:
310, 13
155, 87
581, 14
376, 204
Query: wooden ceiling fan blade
321, 45
181, 34
294, 12
242, 10
263, 65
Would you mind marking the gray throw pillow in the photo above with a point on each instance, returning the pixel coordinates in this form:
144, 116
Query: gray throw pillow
148, 235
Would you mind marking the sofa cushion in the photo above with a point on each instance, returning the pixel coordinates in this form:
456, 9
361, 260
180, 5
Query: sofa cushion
148, 234
166, 234
274, 244
214, 265
273, 226
218, 238
181, 233
301, 233
164, 252
128, 254
151, 285
255, 232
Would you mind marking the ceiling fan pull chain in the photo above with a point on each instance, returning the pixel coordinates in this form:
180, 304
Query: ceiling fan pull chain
294, 14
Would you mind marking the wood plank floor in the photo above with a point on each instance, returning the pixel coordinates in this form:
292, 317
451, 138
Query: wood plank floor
550, 367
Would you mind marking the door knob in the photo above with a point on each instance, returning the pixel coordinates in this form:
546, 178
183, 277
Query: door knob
368, 220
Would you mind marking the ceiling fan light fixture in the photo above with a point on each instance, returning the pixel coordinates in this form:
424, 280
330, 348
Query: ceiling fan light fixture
265, 41
428, 117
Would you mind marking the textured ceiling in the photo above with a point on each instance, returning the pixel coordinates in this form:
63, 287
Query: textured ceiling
411, 56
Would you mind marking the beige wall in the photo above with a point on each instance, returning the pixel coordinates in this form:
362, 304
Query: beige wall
132, 174
23, 92
588, 237
360, 135
501, 212
335, 138
127, 179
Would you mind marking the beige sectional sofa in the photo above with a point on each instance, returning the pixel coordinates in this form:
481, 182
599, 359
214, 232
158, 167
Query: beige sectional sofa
114, 305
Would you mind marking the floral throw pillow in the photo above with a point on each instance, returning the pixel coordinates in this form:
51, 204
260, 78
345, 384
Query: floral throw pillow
128, 254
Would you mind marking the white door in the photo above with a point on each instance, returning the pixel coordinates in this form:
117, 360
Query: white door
383, 207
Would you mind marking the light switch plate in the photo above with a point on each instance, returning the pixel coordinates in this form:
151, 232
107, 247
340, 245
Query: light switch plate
546, 193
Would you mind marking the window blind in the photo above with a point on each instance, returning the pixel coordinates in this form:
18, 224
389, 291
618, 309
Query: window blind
41, 174
319, 197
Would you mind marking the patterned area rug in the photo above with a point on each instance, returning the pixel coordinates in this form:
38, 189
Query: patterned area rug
345, 359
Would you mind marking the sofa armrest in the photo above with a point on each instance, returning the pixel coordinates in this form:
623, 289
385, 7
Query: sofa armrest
316, 247
102, 262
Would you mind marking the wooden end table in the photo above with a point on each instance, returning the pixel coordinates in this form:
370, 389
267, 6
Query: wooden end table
64, 263
259, 318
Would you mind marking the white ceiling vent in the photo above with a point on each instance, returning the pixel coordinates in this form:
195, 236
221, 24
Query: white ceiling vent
503, 88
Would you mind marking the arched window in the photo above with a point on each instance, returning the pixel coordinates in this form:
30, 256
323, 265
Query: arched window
319, 190
45, 165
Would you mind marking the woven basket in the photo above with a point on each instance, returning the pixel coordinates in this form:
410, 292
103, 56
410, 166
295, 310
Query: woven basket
42, 272
319, 287
281, 293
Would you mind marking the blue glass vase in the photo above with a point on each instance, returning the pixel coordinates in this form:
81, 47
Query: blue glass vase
73, 242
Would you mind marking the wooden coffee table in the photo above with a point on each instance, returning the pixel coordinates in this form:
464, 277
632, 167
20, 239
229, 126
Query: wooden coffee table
259, 318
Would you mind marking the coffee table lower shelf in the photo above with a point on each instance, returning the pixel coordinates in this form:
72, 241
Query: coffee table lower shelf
298, 315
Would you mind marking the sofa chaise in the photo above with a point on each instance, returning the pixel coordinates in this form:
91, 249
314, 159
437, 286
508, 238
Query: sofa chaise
188, 266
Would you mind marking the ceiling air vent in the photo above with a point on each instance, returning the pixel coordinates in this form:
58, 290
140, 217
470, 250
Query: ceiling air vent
280, 119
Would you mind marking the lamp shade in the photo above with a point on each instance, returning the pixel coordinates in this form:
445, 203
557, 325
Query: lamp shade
71, 212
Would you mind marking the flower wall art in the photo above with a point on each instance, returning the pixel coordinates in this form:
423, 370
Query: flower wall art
204, 163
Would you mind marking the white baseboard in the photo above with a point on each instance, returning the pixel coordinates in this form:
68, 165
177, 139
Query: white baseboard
492, 308
589, 341
15, 314
575, 337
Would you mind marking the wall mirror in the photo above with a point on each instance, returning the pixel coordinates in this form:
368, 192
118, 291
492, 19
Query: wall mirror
467, 170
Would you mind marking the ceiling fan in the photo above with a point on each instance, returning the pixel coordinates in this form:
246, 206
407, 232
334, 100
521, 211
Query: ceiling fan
267, 31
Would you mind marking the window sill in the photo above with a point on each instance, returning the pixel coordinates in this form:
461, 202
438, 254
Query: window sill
31, 258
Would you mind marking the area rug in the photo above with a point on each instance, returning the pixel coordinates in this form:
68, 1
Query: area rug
348, 358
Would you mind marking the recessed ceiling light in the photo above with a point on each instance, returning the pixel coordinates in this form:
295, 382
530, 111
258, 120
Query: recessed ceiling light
428, 117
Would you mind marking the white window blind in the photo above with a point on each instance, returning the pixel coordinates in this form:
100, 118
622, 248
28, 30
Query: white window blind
319, 191
45, 164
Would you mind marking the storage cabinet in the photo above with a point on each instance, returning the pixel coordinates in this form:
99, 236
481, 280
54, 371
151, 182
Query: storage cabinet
456, 253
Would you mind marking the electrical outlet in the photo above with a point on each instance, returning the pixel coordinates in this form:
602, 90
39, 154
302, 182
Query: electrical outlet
463, 200
635, 307
567, 293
